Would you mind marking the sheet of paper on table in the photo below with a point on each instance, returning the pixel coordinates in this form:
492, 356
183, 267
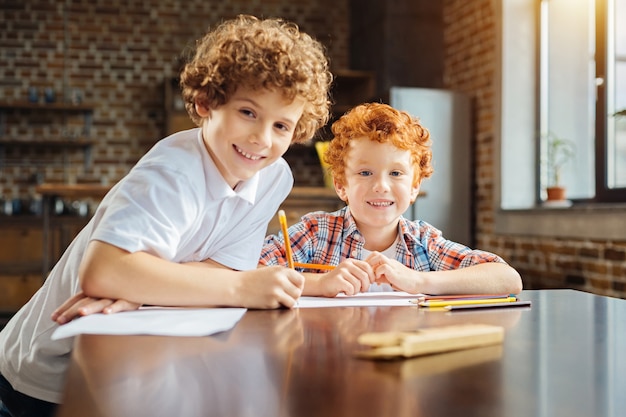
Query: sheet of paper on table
160, 321
366, 299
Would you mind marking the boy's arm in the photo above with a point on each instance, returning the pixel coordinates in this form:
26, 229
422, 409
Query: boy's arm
483, 278
81, 305
110, 272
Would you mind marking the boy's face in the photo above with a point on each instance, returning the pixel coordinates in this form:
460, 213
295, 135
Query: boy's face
249, 132
378, 185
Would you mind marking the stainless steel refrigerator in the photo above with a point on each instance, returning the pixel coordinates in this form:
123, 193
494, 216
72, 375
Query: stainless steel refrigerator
446, 114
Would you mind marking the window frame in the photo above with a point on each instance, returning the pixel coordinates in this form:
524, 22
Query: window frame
524, 217
604, 194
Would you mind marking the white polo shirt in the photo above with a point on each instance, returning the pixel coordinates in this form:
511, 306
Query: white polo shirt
173, 204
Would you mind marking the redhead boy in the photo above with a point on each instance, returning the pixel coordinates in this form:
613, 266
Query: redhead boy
186, 225
378, 158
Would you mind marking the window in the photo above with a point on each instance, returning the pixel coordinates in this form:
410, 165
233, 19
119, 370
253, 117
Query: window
615, 93
518, 186
582, 87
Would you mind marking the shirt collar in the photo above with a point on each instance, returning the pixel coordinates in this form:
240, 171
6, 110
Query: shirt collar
407, 227
349, 223
219, 188
409, 231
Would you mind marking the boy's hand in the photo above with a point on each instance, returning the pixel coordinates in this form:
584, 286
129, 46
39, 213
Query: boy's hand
81, 305
390, 271
350, 277
270, 287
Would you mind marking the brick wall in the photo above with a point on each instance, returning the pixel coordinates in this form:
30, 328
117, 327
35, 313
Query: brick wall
120, 60
118, 55
470, 64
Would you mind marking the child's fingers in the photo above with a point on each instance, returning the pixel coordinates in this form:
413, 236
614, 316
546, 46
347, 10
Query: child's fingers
120, 305
82, 307
67, 304
292, 290
296, 278
94, 305
70, 309
289, 297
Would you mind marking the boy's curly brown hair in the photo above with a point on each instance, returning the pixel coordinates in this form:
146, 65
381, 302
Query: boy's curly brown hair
259, 54
384, 124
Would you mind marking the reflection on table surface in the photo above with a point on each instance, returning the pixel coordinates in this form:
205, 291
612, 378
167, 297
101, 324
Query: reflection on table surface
562, 357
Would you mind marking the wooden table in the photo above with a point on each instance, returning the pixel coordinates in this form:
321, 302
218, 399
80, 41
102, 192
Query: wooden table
565, 356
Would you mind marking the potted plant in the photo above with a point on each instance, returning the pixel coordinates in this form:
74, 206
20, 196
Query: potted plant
559, 152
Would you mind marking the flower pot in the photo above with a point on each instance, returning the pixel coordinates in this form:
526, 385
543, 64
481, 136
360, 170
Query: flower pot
555, 193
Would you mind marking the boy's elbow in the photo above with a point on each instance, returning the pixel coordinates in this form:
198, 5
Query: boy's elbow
517, 284
96, 270
91, 281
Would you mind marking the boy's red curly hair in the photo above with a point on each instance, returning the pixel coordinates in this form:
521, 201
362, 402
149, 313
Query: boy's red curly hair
259, 54
381, 123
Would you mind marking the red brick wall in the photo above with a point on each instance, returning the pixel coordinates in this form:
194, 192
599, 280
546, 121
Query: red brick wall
470, 63
118, 54
120, 60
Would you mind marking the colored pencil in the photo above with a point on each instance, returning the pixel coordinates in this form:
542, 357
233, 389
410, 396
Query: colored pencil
446, 303
282, 219
488, 305
313, 266
460, 297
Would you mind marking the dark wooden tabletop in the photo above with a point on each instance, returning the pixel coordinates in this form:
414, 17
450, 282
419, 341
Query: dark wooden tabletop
565, 356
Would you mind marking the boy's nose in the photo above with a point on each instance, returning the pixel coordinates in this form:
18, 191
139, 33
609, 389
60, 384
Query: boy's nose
262, 136
381, 183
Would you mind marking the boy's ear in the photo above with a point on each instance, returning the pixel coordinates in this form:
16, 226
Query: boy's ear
340, 190
202, 110
415, 190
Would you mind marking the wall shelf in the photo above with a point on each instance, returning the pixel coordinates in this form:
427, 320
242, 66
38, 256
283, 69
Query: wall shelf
350, 88
82, 107
56, 143
176, 116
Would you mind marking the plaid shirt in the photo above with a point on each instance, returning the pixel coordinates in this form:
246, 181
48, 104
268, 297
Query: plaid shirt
329, 238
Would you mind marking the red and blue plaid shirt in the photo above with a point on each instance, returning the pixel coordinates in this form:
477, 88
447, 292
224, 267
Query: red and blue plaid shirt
329, 238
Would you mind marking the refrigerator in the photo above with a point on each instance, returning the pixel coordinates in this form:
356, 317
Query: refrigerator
446, 203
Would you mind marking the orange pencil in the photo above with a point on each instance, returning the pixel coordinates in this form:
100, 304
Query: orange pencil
282, 219
314, 266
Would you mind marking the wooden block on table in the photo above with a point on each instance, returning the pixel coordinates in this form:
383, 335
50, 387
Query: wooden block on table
391, 345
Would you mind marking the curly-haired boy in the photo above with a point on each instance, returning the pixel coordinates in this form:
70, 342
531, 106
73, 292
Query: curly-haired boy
378, 158
186, 225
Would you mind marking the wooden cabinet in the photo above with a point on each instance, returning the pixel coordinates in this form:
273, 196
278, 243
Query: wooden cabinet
30, 245
303, 200
176, 117
20, 261
23, 254
351, 88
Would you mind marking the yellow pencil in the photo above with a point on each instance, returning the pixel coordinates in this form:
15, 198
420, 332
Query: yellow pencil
446, 303
282, 219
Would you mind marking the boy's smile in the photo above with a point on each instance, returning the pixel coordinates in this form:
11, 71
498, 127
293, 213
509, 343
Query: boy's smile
249, 132
378, 187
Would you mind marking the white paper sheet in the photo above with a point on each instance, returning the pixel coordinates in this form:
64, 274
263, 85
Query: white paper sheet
155, 321
390, 298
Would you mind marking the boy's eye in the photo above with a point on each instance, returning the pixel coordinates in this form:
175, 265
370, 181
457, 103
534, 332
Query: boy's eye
281, 126
395, 173
365, 173
247, 112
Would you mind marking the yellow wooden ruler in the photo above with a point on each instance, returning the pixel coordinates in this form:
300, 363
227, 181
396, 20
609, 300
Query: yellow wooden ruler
391, 345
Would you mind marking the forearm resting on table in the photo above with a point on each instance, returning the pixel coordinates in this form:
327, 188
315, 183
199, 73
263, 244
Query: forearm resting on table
486, 278
110, 272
